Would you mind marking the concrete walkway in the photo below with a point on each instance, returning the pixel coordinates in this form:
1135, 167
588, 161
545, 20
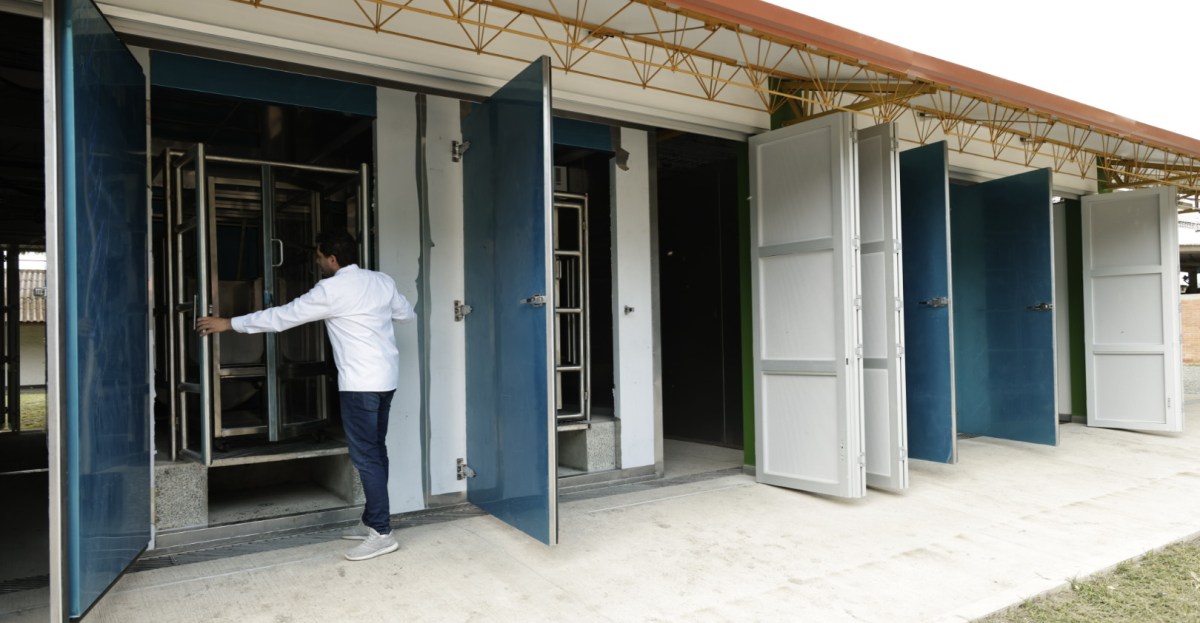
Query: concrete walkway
1010, 521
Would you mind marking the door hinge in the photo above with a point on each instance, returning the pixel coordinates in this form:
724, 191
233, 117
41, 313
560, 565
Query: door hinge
862, 459
461, 310
899, 350
457, 150
537, 300
858, 302
858, 351
464, 471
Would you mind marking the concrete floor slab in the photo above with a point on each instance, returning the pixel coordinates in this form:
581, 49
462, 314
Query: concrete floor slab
1009, 521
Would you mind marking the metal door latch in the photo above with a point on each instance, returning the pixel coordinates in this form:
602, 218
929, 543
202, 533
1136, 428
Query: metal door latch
457, 150
537, 300
461, 310
1040, 307
464, 471
940, 301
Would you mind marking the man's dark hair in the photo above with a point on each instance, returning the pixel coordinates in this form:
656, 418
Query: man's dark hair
339, 244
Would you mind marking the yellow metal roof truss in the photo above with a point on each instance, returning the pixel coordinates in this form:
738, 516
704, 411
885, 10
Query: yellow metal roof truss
656, 46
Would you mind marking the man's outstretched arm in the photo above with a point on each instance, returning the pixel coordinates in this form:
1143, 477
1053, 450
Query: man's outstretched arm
212, 324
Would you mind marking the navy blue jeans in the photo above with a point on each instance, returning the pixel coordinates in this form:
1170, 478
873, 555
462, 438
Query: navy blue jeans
365, 419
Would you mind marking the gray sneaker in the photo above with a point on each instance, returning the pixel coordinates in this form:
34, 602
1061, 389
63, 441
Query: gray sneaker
357, 532
374, 545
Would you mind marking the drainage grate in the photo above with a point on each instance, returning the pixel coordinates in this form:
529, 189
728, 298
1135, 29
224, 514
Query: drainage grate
646, 485
24, 584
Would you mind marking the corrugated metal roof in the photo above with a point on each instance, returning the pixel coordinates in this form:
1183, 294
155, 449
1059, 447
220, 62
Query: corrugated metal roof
32, 290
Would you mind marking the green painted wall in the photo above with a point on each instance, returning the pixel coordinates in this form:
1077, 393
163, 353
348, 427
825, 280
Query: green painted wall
1074, 239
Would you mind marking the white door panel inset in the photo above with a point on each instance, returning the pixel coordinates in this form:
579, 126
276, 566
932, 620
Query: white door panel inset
1121, 322
874, 305
1128, 390
808, 417
1126, 234
794, 210
789, 311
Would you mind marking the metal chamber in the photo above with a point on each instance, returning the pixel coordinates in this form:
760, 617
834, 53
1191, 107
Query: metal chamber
241, 239
572, 339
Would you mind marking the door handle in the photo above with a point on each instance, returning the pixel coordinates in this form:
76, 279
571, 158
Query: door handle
276, 241
537, 300
1040, 307
940, 301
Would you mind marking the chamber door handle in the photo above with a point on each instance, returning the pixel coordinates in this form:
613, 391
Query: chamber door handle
279, 262
940, 301
1041, 307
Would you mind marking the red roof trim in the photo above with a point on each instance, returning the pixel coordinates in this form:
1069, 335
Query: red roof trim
780, 22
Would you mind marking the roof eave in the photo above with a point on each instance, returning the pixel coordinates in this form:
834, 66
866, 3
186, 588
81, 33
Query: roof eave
785, 23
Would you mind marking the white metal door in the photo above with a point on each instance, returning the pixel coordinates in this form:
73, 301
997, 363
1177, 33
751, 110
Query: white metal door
804, 263
884, 411
1131, 310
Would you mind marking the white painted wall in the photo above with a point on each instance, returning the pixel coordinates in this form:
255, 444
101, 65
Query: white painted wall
399, 244
633, 333
445, 270
33, 354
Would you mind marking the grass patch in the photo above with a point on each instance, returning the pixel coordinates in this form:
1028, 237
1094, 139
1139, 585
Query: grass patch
33, 411
1161, 586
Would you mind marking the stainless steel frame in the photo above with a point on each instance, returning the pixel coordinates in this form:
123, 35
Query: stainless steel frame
219, 199
169, 298
10, 327
366, 250
572, 322
52, 94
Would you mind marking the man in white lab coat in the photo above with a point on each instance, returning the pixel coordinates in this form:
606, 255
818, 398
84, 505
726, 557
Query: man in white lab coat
358, 307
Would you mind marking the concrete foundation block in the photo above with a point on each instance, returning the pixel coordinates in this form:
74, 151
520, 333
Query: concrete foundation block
338, 476
591, 450
180, 495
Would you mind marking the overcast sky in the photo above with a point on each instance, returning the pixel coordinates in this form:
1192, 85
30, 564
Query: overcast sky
1139, 59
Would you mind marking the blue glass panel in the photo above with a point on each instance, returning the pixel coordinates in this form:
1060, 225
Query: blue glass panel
204, 75
105, 316
506, 207
924, 214
1004, 351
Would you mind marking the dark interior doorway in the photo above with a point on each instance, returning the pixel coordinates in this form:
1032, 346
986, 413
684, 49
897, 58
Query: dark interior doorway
700, 287
24, 522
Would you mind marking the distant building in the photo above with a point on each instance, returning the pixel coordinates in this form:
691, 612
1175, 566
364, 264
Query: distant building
33, 327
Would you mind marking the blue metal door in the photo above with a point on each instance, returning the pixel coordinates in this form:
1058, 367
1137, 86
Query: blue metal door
1003, 275
511, 432
928, 334
104, 328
